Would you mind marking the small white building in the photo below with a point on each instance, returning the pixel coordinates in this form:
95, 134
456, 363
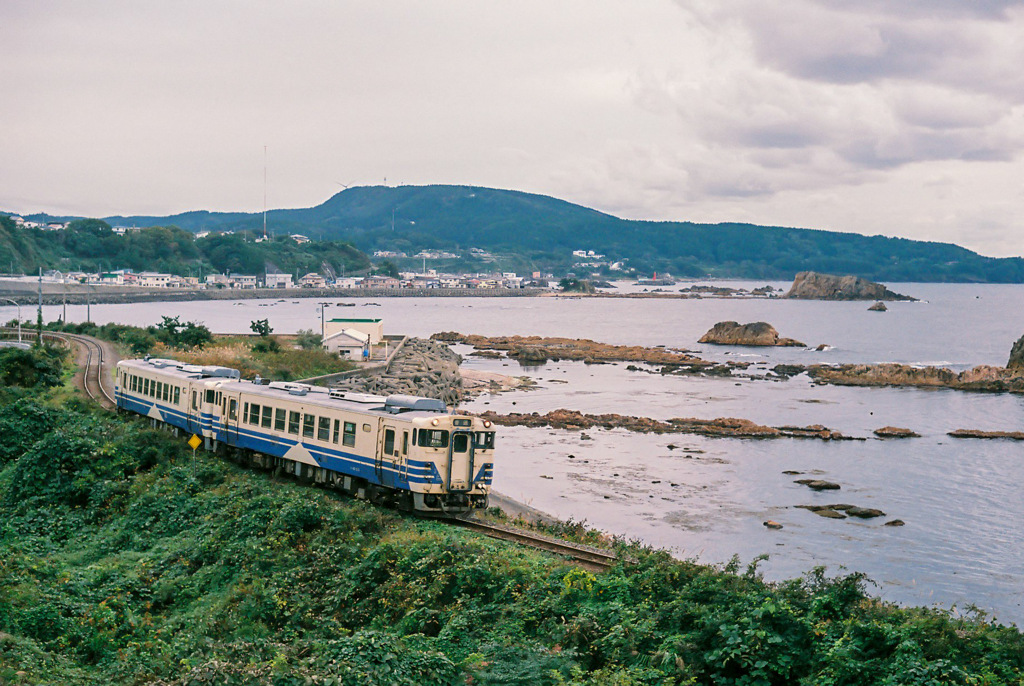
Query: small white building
374, 328
279, 281
154, 280
349, 343
312, 280
217, 281
246, 281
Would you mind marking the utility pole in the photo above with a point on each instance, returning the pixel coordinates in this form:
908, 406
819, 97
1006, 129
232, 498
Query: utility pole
323, 331
39, 312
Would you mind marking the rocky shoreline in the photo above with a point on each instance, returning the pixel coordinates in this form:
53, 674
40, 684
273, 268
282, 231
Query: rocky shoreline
984, 378
721, 427
538, 349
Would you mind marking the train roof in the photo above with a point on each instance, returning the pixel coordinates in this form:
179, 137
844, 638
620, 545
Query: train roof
229, 379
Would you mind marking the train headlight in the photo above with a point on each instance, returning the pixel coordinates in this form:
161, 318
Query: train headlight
435, 422
487, 424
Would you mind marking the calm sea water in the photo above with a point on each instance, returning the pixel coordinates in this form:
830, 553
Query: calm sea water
707, 498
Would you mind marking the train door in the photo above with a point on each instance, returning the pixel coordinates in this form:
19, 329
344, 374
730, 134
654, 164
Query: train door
192, 412
403, 464
460, 461
230, 411
389, 454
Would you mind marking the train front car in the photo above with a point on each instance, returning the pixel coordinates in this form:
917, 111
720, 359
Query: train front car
404, 451
449, 459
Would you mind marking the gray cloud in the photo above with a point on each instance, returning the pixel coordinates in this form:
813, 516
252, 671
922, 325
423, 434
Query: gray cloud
799, 112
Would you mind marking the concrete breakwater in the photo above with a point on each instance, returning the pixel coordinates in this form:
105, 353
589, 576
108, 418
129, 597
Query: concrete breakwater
422, 367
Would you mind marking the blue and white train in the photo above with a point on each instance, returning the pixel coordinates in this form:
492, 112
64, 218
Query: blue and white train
405, 451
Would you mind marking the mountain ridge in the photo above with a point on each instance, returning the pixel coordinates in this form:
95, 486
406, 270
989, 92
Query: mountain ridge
528, 231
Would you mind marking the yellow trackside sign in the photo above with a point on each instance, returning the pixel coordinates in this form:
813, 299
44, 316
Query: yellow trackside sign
195, 442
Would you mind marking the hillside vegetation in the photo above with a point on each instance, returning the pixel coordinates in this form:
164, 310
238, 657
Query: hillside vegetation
122, 561
526, 231
91, 245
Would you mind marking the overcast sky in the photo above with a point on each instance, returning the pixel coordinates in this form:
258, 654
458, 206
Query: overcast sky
899, 118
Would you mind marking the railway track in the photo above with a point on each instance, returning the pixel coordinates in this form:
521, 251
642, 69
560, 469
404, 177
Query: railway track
591, 558
92, 362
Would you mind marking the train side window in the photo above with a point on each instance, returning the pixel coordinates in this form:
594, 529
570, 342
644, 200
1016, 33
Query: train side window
337, 430
167, 392
279, 419
293, 423
389, 441
433, 438
131, 383
349, 438
254, 414
308, 422
405, 442
323, 429
195, 406
460, 443
233, 409
483, 440
414, 436
210, 397
145, 386
177, 395
267, 411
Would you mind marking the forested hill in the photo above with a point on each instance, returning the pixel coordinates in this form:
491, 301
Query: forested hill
526, 231
91, 245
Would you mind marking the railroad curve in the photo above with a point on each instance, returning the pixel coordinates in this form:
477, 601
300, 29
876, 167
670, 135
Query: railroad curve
95, 359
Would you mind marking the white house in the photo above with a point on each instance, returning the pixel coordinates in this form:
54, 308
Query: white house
312, 280
246, 281
350, 343
155, 280
279, 281
374, 328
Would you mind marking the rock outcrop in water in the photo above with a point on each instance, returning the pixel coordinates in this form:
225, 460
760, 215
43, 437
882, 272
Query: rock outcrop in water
976, 433
878, 307
721, 427
1016, 360
983, 378
815, 286
755, 333
539, 349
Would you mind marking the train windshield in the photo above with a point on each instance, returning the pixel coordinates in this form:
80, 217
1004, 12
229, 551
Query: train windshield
483, 440
433, 438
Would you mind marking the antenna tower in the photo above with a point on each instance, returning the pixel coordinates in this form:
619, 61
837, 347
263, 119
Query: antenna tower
264, 192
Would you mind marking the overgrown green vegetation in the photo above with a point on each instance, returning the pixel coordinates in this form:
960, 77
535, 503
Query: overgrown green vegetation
91, 245
192, 342
38, 366
120, 564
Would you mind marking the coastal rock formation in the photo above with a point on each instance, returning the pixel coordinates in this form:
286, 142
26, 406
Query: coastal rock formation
731, 427
421, 367
835, 511
815, 286
819, 485
896, 432
538, 349
982, 378
755, 333
975, 433
1016, 360
878, 307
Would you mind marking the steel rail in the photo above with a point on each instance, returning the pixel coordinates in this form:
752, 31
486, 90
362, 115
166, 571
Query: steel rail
593, 558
